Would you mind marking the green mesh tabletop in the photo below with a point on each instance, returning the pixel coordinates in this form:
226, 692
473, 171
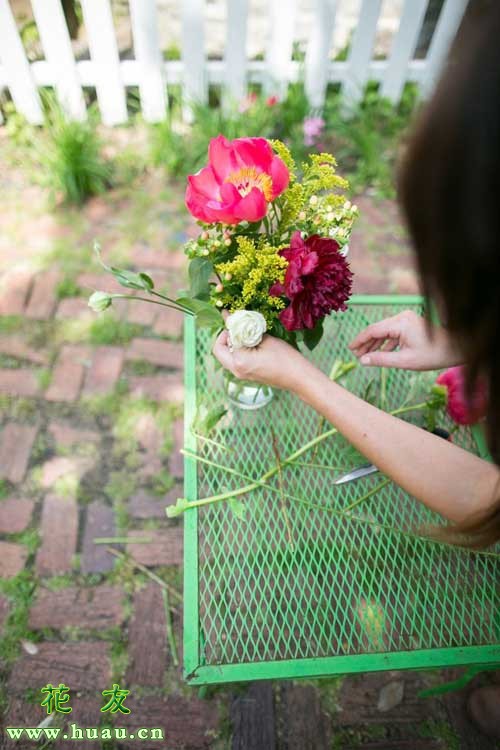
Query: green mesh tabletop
299, 590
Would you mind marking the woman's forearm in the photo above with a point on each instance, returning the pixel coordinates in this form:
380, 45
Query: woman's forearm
446, 478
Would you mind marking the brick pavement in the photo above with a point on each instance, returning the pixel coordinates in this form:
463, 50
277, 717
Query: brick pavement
59, 459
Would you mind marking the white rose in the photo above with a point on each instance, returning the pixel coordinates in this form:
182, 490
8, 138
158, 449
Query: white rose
246, 328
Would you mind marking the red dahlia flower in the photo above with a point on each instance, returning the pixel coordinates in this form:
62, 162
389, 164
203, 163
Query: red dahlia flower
318, 280
460, 409
241, 178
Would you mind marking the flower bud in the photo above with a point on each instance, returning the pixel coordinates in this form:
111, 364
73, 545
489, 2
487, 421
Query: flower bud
217, 243
347, 205
219, 303
302, 216
227, 242
228, 276
204, 236
100, 301
313, 200
219, 288
205, 251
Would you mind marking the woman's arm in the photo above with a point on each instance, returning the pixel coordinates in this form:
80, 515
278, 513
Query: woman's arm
445, 477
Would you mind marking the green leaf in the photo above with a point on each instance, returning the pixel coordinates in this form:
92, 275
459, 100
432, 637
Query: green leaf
312, 336
204, 423
200, 270
147, 279
132, 280
207, 316
238, 508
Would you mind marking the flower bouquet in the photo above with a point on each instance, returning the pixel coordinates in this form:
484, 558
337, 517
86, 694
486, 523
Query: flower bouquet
270, 251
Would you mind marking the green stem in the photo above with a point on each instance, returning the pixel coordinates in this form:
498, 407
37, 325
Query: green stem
122, 540
175, 306
146, 571
169, 628
342, 513
368, 495
273, 470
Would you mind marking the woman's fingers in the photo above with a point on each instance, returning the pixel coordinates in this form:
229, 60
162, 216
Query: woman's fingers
221, 350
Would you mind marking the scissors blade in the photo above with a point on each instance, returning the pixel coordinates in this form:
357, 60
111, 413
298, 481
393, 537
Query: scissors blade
361, 471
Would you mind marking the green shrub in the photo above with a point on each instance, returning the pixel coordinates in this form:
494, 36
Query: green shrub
70, 154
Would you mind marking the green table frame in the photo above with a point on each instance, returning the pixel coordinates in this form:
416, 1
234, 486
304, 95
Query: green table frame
259, 604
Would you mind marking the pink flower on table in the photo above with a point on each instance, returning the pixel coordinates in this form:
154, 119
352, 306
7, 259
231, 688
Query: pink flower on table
241, 178
317, 281
313, 128
458, 407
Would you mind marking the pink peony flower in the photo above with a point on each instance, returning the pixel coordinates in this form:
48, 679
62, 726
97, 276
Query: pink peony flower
318, 280
457, 406
241, 178
271, 101
312, 127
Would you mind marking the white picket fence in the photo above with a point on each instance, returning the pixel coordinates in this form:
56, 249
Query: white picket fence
152, 75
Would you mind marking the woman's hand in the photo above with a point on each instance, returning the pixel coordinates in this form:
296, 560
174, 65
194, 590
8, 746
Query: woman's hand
407, 332
273, 362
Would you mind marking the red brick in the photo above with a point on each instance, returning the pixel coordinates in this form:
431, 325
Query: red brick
162, 353
14, 346
93, 608
4, 612
100, 282
67, 436
104, 370
15, 515
59, 467
157, 387
165, 547
74, 308
16, 442
141, 313
99, 522
84, 666
176, 457
19, 382
85, 713
169, 323
186, 722
147, 639
14, 288
59, 529
143, 505
68, 373
12, 559
144, 257
43, 301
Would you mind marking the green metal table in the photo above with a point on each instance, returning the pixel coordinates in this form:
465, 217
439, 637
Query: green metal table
298, 588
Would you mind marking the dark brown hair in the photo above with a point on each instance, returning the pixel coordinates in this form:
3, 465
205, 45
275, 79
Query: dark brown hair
449, 187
